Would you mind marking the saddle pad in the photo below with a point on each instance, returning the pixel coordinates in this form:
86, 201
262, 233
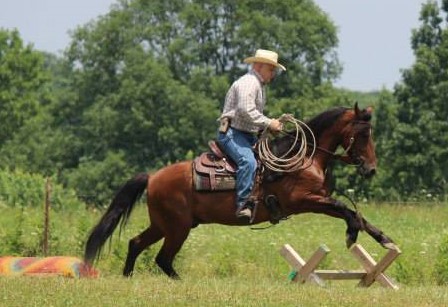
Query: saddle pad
203, 182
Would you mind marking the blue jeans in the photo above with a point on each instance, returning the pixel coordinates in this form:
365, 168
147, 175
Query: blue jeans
238, 146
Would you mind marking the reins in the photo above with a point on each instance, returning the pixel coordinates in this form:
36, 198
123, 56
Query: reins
344, 157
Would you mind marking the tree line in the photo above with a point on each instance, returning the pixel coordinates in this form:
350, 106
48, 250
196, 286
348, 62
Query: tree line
142, 87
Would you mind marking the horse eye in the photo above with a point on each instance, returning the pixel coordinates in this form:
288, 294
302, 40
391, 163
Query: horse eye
366, 133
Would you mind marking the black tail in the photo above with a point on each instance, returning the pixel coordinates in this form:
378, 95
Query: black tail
119, 209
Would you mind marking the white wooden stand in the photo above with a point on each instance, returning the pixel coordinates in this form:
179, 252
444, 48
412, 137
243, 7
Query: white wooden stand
373, 271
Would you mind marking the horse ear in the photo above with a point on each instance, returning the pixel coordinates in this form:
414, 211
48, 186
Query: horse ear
357, 112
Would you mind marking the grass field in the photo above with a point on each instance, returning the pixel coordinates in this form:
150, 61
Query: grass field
235, 291
232, 266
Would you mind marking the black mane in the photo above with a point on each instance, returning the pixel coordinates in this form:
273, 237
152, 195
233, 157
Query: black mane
317, 124
324, 120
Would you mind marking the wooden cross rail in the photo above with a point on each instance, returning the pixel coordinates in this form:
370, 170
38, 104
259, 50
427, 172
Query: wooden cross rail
306, 271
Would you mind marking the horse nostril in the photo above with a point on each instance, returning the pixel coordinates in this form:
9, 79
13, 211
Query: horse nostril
368, 173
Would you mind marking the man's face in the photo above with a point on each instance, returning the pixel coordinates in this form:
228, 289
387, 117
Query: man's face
267, 72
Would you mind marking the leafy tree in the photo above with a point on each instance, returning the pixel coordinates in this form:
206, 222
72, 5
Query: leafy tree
217, 35
40, 147
149, 78
385, 121
152, 117
419, 157
23, 83
44, 143
142, 86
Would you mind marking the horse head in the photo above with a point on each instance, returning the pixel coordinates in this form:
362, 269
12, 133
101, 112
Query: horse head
351, 129
358, 141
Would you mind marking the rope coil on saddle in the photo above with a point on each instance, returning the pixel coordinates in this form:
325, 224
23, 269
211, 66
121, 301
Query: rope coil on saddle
289, 161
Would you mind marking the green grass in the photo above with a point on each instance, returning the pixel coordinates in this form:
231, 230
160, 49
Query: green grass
232, 266
150, 290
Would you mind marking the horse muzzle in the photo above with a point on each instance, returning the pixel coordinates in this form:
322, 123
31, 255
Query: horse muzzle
367, 171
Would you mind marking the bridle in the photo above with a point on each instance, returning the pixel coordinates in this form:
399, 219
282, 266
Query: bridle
348, 156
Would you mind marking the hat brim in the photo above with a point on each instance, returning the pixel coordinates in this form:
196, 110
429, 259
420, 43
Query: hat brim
254, 59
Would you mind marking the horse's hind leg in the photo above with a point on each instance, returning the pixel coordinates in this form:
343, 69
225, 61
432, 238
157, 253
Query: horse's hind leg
137, 244
171, 246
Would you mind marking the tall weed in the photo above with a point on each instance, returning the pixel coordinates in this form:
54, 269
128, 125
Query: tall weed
441, 265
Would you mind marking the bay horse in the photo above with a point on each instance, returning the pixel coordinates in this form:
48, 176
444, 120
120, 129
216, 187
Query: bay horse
175, 207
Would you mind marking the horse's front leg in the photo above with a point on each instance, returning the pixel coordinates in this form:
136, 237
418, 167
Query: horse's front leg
333, 208
378, 235
355, 223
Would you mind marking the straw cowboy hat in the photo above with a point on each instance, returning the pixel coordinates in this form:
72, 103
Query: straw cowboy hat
265, 56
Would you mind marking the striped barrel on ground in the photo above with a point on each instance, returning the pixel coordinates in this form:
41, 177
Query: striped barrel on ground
46, 266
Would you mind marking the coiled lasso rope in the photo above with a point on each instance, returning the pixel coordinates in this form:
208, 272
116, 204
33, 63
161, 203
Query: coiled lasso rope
296, 160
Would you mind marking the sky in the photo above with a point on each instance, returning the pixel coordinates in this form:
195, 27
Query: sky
374, 40
374, 35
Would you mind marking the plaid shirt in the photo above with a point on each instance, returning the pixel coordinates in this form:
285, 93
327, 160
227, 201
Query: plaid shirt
245, 102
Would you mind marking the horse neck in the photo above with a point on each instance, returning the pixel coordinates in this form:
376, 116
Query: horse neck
327, 143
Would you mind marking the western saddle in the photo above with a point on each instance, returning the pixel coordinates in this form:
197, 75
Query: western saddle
213, 170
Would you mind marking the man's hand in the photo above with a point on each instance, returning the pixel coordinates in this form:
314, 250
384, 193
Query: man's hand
275, 125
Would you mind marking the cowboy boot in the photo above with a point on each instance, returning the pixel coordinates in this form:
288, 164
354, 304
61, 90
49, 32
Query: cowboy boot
243, 212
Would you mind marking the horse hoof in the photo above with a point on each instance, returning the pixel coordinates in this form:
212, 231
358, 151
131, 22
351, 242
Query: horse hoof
175, 277
128, 274
349, 242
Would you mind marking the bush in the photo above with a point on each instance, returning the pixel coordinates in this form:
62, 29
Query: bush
20, 189
97, 181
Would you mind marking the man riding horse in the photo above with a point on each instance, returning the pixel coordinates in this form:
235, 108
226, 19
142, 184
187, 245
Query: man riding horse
175, 206
242, 118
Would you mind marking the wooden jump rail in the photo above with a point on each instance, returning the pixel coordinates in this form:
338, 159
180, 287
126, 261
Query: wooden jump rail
373, 271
